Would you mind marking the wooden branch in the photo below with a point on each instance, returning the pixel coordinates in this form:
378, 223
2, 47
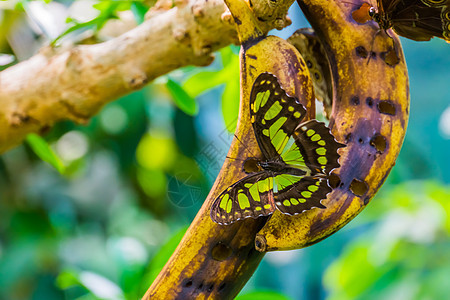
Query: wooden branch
61, 84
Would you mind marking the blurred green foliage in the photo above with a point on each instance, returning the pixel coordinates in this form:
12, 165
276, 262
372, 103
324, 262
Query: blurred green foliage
182, 99
262, 295
134, 178
107, 10
404, 254
203, 81
43, 150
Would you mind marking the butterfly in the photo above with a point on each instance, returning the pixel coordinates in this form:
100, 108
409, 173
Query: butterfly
308, 44
418, 20
297, 158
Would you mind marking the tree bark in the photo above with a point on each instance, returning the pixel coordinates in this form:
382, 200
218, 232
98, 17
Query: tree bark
74, 84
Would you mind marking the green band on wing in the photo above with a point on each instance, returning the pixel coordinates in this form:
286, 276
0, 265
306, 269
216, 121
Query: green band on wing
261, 100
273, 111
243, 201
254, 192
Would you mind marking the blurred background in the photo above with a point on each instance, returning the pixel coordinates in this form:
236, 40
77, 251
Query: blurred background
95, 211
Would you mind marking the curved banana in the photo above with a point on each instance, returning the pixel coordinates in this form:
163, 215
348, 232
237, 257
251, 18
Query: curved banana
370, 114
214, 261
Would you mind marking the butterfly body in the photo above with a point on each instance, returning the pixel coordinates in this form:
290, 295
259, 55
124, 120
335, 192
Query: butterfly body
280, 167
419, 20
297, 157
383, 20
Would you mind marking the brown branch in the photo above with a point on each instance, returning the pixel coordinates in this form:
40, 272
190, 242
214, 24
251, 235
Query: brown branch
61, 84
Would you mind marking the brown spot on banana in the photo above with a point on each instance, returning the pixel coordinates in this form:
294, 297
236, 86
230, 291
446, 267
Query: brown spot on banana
369, 113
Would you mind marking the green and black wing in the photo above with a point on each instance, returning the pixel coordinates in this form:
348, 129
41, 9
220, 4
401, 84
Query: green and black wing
317, 146
251, 196
296, 194
309, 147
312, 147
274, 115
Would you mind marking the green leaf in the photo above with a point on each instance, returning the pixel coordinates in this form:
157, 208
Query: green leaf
230, 104
203, 81
139, 10
227, 55
440, 194
356, 264
107, 8
44, 152
182, 99
77, 27
97, 285
262, 295
230, 55
67, 279
162, 256
107, 12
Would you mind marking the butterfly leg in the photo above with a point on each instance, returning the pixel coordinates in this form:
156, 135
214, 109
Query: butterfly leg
372, 43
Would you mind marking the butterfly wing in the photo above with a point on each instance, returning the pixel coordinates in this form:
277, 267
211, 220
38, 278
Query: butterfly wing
274, 115
312, 50
445, 17
309, 147
317, 147
251, 196
386, 6
297, 194
420, 20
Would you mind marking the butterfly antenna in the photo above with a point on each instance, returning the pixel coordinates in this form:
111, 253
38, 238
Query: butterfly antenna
394, 46
349, 2
373, 43
244, 145
355, 3
235, 158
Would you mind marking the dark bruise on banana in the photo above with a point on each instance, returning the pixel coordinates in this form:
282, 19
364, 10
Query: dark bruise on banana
297, 158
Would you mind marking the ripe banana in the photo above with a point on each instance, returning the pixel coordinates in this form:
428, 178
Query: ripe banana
370, 114
214, 260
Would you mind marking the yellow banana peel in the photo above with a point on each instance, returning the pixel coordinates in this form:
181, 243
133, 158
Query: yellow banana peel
369, 114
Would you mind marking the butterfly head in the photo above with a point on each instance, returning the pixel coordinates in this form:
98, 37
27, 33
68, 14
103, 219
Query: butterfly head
251, 165
376, 16
367, 12
372, 12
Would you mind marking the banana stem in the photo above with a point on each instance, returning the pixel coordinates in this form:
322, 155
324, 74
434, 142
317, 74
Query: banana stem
246, 23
